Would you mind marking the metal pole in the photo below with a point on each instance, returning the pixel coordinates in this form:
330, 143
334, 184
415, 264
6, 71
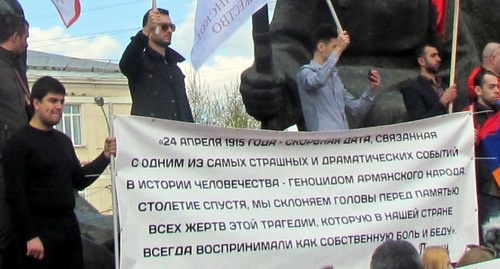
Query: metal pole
157, 29
335, 17
116, 226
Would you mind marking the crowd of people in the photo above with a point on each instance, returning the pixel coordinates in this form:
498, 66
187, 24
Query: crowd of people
40, 170
325, 103
398, 254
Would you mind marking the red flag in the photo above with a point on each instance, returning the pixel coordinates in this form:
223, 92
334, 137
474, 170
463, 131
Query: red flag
441, 11
69, 10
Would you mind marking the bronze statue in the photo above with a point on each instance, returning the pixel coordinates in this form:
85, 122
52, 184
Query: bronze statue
384, 35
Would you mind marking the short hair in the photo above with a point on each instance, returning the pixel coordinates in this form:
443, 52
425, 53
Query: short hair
420, 51
11, 23
479, 77
324, 33
11, 6
145, 18
489, 49
394, 255
46, 85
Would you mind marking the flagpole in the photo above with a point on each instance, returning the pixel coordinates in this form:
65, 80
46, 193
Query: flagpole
454, 48
157, 29
335, 17
116, 225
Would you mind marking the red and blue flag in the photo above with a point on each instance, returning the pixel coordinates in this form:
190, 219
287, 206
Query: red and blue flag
489, 134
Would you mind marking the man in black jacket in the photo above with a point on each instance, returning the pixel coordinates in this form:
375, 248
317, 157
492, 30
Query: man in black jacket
155, 80
42, 171
426, 96
14, 96
488, 192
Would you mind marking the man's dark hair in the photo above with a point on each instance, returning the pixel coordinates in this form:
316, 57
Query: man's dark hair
394, 255
10, 24
324, 33
479, 78
46, 85
420, 51
11, 6
145, 18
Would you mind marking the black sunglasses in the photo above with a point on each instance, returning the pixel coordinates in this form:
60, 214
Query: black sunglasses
165, 26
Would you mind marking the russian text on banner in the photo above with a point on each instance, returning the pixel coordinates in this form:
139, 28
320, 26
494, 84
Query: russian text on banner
192, 195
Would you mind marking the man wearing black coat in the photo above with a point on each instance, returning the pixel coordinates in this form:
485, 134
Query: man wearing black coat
14, 96
155, 80
426, 96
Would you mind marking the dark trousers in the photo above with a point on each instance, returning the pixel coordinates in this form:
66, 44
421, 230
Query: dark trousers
6, 250
9, 257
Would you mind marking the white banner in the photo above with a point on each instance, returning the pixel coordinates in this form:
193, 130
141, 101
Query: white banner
193, 196
216, 21
69, 10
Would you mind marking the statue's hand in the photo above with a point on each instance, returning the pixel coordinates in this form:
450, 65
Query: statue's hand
262, 94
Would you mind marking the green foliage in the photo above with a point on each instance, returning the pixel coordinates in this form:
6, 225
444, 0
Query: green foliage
213, 108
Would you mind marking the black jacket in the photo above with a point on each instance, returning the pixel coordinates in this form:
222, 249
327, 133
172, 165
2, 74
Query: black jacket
156, 83
13, 114
421, 101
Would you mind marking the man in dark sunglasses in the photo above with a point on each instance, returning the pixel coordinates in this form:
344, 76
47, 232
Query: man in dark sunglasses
155, 80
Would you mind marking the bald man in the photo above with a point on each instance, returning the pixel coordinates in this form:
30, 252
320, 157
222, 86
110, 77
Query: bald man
490, 62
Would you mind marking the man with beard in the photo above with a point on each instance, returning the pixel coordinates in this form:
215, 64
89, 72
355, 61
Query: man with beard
426, 96
485, 104
155, 80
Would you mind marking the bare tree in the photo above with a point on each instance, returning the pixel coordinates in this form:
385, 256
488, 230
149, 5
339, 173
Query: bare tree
213, 108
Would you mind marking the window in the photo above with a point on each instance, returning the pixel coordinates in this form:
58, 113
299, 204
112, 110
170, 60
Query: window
70, 123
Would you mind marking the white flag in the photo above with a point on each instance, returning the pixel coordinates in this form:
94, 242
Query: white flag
216, 21
69, 10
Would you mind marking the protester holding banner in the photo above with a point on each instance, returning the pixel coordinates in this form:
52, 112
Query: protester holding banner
486, 95
324, 99
13, 97
42, 171
426, 95
155, 80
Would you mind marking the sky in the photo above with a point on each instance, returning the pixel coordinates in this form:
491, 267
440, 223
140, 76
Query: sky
104, 28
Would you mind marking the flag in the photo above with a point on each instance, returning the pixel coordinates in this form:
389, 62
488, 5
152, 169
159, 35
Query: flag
440, 6
216, 21
489, 134
69, 10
